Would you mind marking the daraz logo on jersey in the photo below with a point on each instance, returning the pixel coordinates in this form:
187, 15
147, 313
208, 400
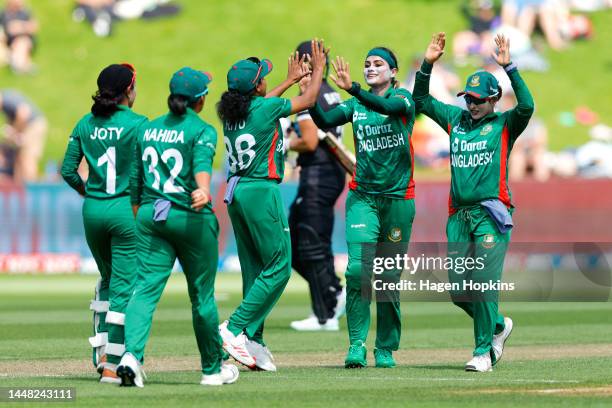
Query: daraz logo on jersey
470, 154
455, 147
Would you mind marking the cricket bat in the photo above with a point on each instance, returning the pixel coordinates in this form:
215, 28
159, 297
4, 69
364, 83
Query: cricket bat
340, 152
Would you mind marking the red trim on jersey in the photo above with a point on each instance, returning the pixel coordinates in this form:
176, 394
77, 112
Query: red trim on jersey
410, 189
451, 209
353, 183
504, 195
272, 173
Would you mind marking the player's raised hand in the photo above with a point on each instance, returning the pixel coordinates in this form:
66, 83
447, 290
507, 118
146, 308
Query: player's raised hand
435, 49
296, 67
502, 53
304, 82
319, 54
343, 75
199, 198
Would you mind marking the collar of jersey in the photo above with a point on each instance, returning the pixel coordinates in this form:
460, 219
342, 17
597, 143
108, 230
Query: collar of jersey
387, 92
484, 119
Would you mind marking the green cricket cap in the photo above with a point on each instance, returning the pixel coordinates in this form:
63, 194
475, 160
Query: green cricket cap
481, 85
190, 83
244, 75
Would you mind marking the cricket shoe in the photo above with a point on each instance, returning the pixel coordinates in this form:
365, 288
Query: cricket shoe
109, 375
263, 358
312, 324
499, 340
227, 375
236, 346
384, 358
356, 356
479, 364
130, 371
102, 361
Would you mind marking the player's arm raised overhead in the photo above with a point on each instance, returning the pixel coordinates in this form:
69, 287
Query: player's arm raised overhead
441, 113
70, 166
397, 105
309, 97
334, 117
296, 70
519, 116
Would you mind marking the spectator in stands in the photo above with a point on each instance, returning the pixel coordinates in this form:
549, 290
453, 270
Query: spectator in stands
102, 14
24, 133
430, 142
483, 17
529, 154
99, 13
19, 29
552, 17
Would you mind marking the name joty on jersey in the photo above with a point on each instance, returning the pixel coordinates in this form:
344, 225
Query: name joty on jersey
110, 133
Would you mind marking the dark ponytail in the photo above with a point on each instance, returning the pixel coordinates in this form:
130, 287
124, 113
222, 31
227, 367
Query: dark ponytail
178, 104
234, 106
105, 102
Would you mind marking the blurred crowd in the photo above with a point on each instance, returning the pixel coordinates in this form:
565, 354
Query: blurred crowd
103, 14
23, 127
532, 25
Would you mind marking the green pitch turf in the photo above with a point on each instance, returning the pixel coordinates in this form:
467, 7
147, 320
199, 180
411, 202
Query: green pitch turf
212, 35
559, 355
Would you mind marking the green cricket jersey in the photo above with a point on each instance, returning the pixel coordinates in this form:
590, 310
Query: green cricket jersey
255, 146
382, 128
479, 149
169, 151
107, 144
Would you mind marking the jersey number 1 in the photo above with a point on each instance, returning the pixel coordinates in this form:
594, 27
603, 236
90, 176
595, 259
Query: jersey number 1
109, 158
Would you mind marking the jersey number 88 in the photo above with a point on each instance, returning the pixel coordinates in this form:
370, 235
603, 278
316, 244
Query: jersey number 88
244, 148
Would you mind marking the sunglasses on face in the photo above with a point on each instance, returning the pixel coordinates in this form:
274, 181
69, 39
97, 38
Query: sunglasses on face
133, 70
469, 99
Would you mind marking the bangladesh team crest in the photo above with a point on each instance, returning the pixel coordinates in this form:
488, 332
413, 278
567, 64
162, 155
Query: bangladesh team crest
486, 129
475, 81
488, 241
395, 235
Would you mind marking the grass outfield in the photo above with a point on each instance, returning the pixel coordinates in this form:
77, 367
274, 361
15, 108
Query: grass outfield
214, 34
559, 355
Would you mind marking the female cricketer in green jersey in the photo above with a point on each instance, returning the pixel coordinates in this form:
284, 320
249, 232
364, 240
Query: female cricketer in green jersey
380, 204
170, 192
105, 137
480, 204
255, 153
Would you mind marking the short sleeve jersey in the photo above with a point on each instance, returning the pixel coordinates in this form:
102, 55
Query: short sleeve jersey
107, 144
254, 146
173, 149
